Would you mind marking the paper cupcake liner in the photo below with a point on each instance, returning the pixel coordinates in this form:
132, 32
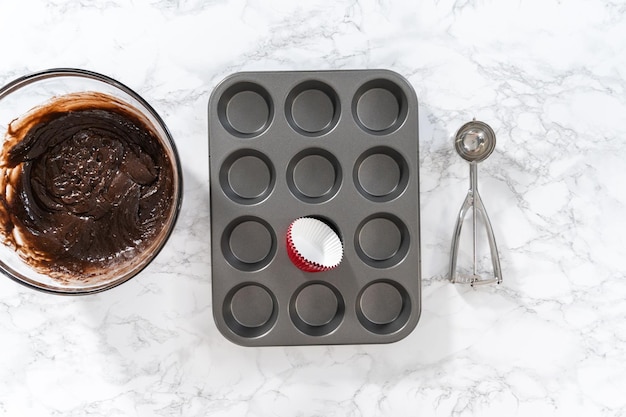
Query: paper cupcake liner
313, 246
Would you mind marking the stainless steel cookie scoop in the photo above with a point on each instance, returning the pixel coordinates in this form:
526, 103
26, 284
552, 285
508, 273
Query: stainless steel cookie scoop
475, 141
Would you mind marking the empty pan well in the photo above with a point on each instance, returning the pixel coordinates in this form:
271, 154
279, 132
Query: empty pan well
247, 176
379, 107
317, 308
245, 110
312, 108
381, 174
250, 310
314, 175
248, 243
382, 240
383, 307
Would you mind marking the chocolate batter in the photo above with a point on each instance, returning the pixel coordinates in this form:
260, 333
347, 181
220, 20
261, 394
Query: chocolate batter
85, 186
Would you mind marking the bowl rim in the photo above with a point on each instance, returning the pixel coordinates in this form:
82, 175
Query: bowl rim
33, 77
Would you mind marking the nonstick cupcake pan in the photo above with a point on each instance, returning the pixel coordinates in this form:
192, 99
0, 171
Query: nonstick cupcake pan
337, 146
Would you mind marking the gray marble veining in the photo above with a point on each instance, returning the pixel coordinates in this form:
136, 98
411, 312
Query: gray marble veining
548, 76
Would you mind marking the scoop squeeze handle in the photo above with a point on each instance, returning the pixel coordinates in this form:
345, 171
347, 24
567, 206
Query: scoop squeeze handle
473, 201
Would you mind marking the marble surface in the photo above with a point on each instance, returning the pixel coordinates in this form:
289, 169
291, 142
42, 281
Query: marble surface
548, 76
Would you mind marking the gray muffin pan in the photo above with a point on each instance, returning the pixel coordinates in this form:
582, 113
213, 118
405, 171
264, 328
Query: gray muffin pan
340, 146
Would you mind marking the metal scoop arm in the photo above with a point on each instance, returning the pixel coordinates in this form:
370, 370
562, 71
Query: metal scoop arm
473, 200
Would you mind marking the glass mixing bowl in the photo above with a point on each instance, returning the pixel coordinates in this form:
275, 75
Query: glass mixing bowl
24, 258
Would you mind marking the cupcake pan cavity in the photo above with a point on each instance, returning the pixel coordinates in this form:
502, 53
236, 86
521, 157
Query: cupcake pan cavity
341, 146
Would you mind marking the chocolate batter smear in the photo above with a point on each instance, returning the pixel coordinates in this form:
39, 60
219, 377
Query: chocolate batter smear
85, 187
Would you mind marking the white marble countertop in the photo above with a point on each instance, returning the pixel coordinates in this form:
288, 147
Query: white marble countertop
548, 76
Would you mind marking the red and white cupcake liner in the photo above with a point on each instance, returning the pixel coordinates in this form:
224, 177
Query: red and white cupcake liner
313, 246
